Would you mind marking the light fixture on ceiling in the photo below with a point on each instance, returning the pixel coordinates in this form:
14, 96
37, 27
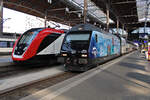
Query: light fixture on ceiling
88, 20
79, 15
50, 1
67, 9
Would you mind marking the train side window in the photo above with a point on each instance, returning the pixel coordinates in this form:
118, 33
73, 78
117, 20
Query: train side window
96, 37
48, 40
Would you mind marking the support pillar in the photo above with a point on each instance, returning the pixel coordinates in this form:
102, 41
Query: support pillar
122, 29
117, 26
1, 17
107, 20
85, 10
127, 34
45, 19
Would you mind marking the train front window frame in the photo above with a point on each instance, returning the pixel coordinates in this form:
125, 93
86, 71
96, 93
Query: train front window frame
77, 37
28, 36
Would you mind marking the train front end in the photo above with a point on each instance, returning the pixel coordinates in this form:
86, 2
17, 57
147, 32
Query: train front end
75, 50
38, 45
24, 47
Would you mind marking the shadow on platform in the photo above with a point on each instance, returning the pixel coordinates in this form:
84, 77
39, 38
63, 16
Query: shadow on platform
139, 76
136, 76
131, 65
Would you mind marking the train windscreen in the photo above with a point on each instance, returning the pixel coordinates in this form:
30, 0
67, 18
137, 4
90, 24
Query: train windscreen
76, 41
28, 36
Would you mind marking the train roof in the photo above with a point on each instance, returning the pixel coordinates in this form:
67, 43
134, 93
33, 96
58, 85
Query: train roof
88, 27
52, 29
85, 27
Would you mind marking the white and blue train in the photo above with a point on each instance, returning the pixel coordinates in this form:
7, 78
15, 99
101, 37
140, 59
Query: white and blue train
86, 46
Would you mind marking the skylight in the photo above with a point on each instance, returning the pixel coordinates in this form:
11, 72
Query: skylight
141, 30
93, 10
143, 10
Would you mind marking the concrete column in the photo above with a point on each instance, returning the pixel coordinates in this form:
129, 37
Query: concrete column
85, 10
122, 29
45, 19
107, 15
117, 26
127, 34
1, 17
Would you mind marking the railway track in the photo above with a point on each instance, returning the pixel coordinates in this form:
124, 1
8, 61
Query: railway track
29, 89
9, 71
26, 89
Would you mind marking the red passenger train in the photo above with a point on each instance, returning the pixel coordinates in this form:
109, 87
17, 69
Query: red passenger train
38, 44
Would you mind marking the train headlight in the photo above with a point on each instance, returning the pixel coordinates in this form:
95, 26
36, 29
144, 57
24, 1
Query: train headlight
84, 55
64, 55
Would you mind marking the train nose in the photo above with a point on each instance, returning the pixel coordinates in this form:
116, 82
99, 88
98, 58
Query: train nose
20, 49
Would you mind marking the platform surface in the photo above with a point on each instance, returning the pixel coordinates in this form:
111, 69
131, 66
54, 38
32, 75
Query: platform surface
5, 51
5, 58
125, 78
28, 78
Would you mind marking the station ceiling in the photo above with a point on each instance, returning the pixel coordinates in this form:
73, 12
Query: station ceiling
128, 12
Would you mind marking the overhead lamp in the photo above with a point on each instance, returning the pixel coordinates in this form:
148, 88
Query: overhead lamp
50, 1
67, 9
79, 15
82, 12
87, 20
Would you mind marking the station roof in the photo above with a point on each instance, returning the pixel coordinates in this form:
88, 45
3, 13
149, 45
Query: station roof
62, 11
130, 13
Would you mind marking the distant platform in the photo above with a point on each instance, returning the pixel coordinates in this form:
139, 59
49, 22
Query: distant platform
5, 51
125, 78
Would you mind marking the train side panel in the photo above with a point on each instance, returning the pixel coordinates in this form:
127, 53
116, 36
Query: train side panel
123, 46
54, 47
103, 47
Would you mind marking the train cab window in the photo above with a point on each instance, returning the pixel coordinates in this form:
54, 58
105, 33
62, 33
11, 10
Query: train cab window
76, 41
48, 40
29, 36
96, 37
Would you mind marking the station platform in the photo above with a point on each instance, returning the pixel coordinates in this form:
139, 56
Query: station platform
125, 78
5, 51
16, 81
5, 60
